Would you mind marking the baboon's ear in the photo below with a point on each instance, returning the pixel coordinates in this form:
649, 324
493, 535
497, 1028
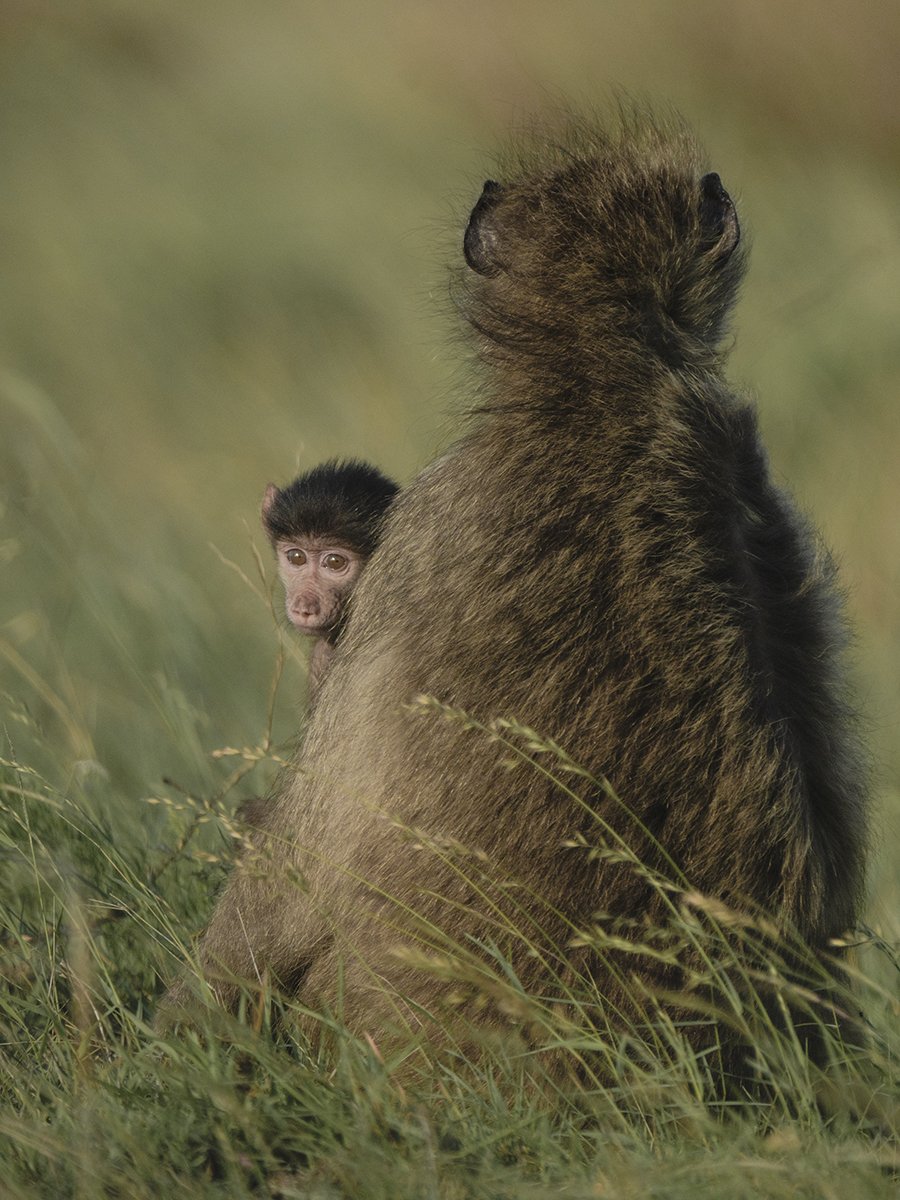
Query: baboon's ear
268, 500
481, 240
718, 217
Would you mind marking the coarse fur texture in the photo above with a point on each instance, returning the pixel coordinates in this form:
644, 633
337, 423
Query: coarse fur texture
604, 557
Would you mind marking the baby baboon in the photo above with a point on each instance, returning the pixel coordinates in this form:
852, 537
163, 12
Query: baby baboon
324, 527
604, 557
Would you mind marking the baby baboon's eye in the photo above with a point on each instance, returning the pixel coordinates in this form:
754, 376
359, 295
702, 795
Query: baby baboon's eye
295, 557
335, 562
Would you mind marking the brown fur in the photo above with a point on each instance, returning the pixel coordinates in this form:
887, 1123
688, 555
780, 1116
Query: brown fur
604, 557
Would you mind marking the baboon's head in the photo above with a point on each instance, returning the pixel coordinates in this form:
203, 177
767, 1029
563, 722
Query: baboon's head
620, 236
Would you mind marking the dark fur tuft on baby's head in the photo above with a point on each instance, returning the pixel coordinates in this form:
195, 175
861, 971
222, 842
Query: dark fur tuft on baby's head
344, 499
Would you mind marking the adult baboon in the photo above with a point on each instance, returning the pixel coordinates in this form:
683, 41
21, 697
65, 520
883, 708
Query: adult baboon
604, 557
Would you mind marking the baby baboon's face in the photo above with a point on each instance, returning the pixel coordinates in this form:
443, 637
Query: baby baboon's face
318, 575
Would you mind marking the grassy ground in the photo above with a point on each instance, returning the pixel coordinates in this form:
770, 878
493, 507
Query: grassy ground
225, 229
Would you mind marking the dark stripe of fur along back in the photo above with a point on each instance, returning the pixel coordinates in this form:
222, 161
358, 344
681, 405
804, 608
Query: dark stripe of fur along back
605, 558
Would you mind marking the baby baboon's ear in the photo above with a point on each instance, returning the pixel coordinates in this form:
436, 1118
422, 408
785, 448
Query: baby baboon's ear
271, 495
481, 241
718, 216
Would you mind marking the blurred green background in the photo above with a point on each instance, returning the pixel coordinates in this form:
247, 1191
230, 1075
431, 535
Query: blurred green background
226, 230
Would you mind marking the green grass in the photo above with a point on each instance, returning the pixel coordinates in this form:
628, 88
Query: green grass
283, 1102
225, 234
